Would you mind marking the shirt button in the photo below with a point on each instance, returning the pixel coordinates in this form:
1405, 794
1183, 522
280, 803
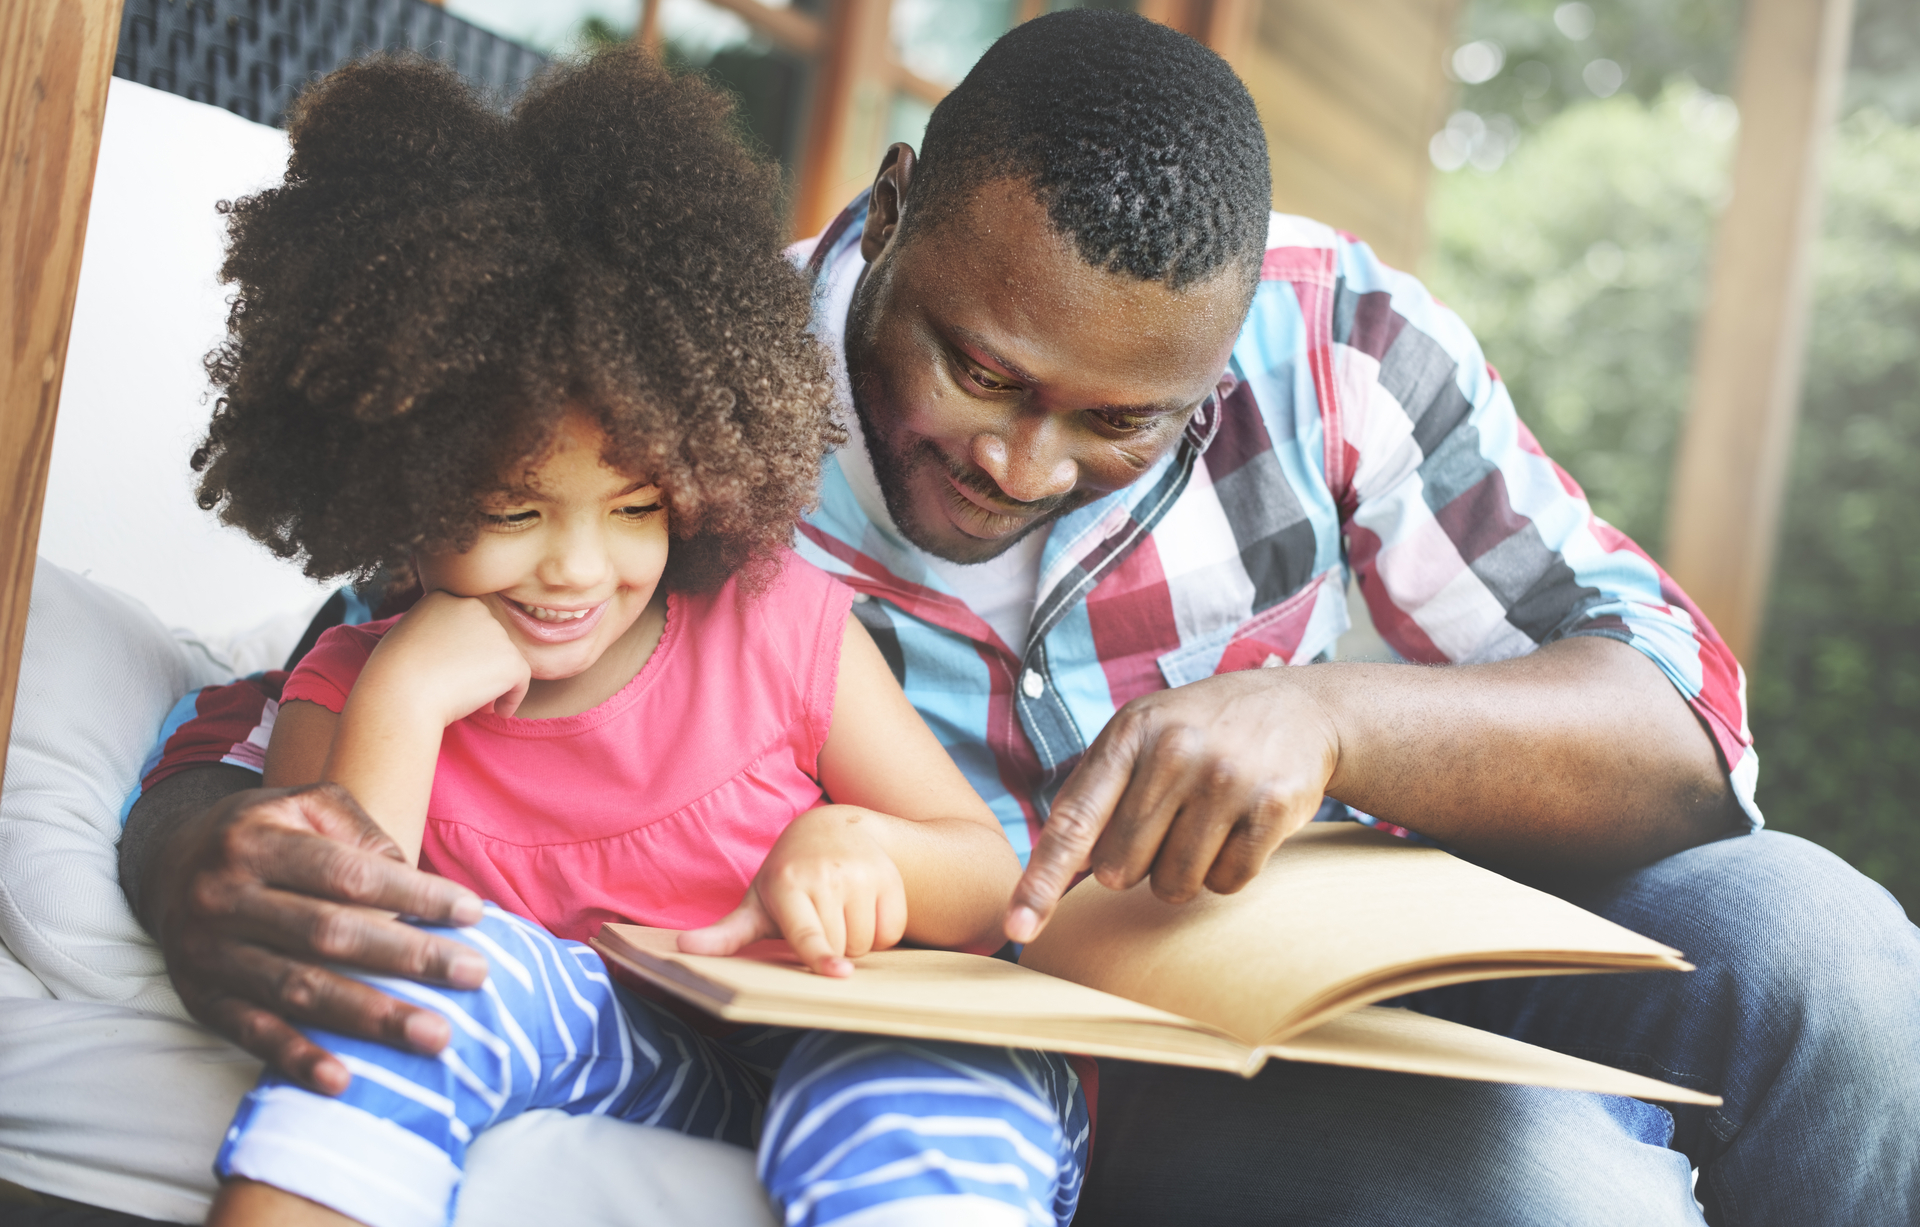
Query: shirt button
1032, 684
861, 598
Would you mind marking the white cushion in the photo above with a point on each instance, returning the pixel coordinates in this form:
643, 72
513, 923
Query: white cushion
16, 980
97, 677
117, 1108
110, 1095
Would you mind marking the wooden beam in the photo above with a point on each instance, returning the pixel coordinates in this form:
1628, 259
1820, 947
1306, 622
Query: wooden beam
1749, 357
852, 93
912, 83
1027, 10
1223, 25
791, 30
788, 29
647, 33
55, 60
1226, 26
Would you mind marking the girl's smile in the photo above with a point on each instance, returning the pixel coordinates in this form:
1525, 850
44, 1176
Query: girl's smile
550, 625
569, 562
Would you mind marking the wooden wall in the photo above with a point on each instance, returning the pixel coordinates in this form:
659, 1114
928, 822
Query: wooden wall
1350, 92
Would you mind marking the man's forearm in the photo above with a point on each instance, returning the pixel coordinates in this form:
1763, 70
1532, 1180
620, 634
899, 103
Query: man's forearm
1581, 756
158, 814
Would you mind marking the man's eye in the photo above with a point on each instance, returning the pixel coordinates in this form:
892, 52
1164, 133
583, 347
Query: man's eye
987, 379
1127, 423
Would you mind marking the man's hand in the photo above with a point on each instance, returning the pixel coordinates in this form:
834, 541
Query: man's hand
248, 900
827, 886
1577, 759
1195, 786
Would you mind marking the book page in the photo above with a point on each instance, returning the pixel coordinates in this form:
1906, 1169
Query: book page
1341, 916
940, 995
1376, 1037
930, 994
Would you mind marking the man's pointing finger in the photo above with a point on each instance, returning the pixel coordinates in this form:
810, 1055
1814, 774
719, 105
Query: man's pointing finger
1074, 824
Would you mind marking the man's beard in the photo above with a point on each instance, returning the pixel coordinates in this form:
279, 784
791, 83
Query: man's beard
893, 471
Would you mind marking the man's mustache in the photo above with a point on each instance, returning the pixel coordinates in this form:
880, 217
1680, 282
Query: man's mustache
985, 486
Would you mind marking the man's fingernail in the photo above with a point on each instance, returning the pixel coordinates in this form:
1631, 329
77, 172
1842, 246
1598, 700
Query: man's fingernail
467, 970
467, 911
427, 1032
331, 1078
1022, 923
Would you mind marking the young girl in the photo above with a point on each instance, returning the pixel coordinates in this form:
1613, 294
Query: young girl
555, 361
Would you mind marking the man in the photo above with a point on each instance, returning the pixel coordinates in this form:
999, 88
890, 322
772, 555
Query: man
1119, 434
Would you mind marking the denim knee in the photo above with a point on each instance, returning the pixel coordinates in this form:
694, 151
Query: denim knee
1347, 1147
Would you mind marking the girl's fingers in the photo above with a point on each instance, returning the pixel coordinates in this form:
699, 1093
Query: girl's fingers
891, 916
861, 920
806, 930
509, 702
743, 926
831, 908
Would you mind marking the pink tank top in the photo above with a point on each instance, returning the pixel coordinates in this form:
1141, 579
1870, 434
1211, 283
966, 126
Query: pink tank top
657, 806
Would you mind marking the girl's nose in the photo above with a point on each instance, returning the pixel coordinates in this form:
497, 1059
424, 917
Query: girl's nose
577, 559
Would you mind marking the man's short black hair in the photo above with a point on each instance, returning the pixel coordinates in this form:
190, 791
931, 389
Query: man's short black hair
1142, 144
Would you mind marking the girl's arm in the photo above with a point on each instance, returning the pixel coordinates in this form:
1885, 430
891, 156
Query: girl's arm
446, 658
907, 848
880, 756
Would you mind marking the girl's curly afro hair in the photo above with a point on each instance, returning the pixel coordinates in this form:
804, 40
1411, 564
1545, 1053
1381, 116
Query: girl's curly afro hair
436, 284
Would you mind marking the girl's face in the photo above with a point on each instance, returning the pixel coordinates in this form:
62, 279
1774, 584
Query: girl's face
568, 562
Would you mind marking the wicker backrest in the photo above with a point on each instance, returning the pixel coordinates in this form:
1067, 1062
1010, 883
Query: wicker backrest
252, 56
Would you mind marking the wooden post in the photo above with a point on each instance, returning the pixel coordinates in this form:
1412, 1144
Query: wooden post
55, 59
848, 116
647, 32
1222, 25
1225, 26
1748, 360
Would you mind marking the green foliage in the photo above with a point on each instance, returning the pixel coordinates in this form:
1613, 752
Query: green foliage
1651, 41
1581, 265
1836, 696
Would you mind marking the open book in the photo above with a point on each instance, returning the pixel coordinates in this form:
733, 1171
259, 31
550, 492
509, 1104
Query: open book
1341, 917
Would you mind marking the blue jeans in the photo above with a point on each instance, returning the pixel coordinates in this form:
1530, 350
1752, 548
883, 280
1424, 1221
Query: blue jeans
1804, 1014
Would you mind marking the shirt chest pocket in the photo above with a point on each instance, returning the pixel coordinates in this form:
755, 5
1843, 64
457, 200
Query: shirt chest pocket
1293, 631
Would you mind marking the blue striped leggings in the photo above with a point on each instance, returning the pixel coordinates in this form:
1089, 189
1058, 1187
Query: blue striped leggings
853, 1130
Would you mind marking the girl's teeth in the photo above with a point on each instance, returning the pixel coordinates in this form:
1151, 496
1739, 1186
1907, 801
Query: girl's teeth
543, 614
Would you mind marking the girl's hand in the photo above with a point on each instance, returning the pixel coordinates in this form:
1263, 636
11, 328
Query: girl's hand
827, 886
451, 655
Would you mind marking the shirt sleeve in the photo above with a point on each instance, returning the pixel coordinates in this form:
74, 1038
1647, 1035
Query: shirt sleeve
217, 724
1469, 543
325, 675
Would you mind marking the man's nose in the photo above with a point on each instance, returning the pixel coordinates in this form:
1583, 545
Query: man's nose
1027, 458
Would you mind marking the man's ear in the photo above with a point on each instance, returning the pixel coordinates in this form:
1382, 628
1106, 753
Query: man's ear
888, 202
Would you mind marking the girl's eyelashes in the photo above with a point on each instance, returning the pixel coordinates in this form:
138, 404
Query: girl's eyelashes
509, 519
640, 511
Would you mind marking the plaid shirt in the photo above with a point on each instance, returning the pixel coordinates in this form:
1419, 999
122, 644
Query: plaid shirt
1357, 426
